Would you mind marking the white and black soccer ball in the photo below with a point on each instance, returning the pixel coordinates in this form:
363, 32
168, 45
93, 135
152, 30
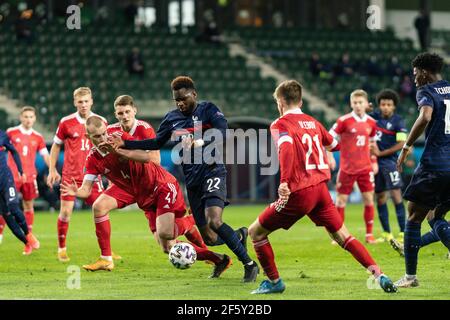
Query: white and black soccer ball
182, 255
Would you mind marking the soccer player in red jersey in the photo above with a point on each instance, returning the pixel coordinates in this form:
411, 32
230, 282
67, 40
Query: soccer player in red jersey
71, 134
27, 142
125, 111
154, 189
303, 188
356, 131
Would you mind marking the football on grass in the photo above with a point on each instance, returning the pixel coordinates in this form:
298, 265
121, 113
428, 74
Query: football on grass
182, 255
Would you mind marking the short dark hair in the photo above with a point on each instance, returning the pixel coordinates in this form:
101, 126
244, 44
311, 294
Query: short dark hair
290, 91
124, 100
181, 82
428, 61
388, 94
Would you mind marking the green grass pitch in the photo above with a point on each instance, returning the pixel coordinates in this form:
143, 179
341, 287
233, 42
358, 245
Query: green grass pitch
310, 266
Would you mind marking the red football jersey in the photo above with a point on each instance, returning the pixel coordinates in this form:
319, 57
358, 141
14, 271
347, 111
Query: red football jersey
141, 130
27, 144
139, 179
355, 134
308, 137
71, 132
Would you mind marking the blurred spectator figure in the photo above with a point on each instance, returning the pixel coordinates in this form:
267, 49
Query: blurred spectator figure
277, 19
210, 32
422, 24
373, 67
342, 21
135, 63
344, 67
24, 26
315, 66
394, 69
407, 88
130, 12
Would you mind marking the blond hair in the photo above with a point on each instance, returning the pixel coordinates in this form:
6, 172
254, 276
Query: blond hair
27, 108
290, 91
82, 91
359, 93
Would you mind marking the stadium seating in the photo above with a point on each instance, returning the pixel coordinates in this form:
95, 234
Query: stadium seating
45, 73
290, 50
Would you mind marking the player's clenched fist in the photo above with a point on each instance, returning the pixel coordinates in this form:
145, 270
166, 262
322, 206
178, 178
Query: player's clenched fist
115, 141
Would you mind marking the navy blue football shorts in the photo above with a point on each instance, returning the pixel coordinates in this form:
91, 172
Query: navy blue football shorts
388, 178
211, 193
429, 189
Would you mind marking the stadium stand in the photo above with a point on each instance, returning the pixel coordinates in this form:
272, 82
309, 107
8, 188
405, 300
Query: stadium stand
45, 72
290, 50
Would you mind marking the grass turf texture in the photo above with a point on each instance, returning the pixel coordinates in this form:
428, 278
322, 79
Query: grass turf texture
310, 266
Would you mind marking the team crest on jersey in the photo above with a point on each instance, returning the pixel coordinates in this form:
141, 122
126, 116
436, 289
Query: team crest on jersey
76, 135
18, 140
389, 126
353, 130
106, 171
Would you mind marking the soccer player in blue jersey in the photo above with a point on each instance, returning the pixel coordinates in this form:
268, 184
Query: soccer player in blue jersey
430, 185
390, 138
206, 179
9, 200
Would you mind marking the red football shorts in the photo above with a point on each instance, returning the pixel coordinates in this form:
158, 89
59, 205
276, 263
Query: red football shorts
314, 201
167, 198
97, 189
345, 182
124, 199
29, 190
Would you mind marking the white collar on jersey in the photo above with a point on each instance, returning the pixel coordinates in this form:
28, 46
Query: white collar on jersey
81, 120
133, 128
294, 111
103, 154
25, 131
358, 118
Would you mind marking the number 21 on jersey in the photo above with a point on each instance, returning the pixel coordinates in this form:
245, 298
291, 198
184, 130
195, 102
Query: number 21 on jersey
307, 139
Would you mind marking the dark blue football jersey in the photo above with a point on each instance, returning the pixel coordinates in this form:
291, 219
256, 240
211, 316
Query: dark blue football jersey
5, 146
436, 154
201, 163
389, 132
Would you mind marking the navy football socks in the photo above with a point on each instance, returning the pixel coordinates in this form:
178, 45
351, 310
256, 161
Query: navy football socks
412, 246
442, 229
383, 214
15, 228
400, 211
233, 242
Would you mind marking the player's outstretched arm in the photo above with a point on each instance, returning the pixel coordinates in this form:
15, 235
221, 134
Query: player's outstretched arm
71, 189
134, 155
53, 175
15, 155
418, 128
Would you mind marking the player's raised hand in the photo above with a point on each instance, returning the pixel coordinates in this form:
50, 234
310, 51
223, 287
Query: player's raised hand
69, 189
284, 191
402, 158
115, 141
187, 142
106, 147
53, 177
